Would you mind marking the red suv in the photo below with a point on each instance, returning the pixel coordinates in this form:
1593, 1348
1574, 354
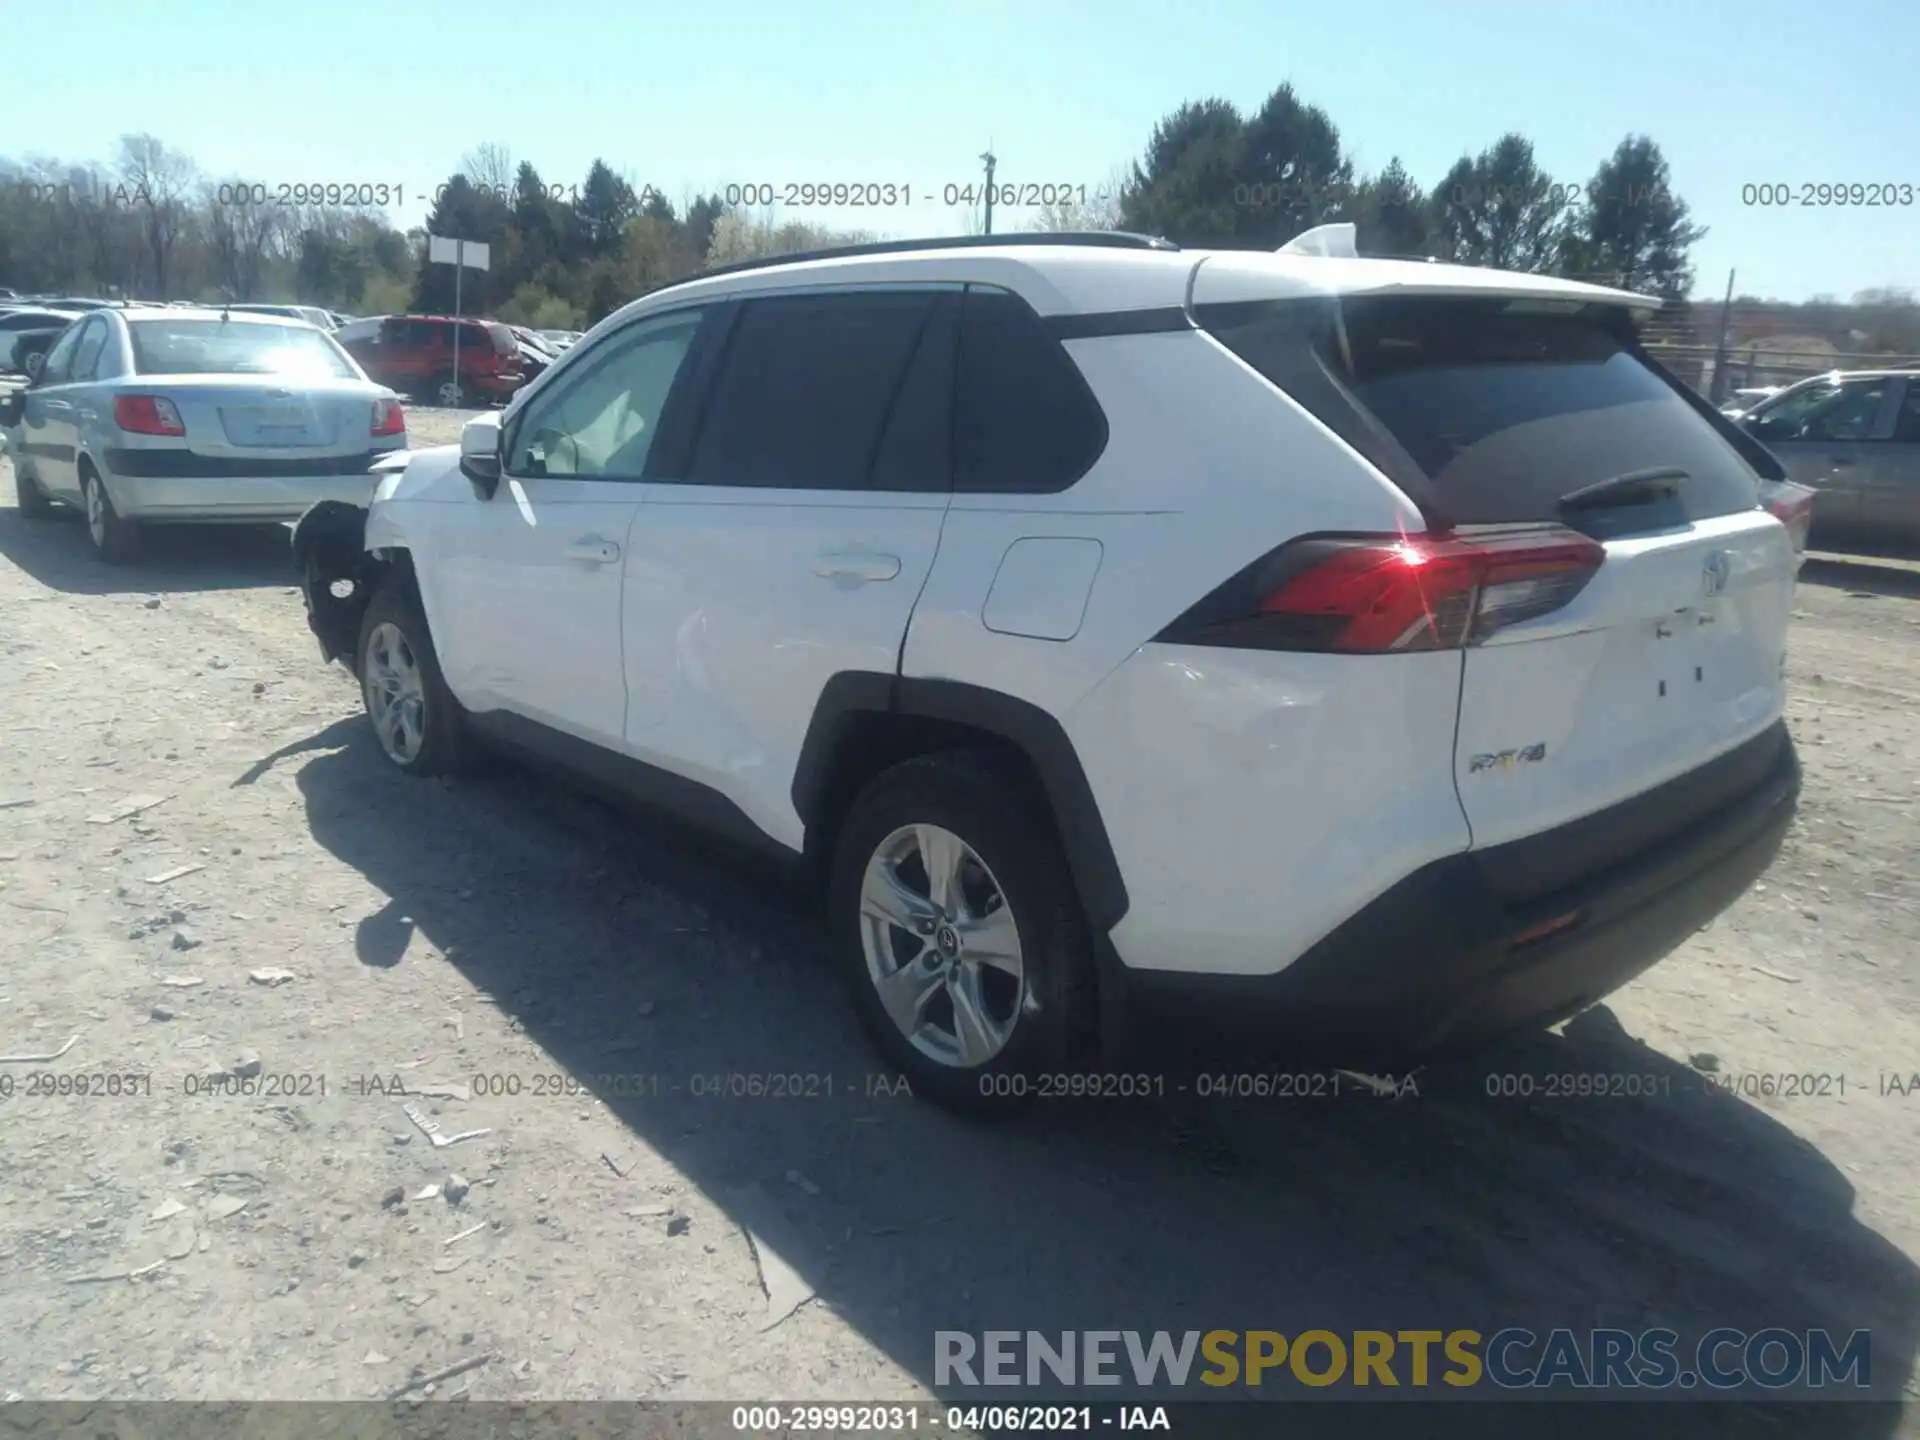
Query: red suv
414, 355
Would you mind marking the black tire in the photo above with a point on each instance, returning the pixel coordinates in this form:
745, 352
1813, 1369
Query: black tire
449, 392
27, 494
115, 540
991, 806
444, 744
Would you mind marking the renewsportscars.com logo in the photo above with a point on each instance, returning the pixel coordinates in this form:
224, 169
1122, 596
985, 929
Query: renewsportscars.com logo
1512, 1359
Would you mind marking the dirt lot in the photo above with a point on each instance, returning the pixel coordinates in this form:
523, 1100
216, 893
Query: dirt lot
629, 1232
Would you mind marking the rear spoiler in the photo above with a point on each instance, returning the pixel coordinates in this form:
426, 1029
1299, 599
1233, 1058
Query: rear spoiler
1340, 241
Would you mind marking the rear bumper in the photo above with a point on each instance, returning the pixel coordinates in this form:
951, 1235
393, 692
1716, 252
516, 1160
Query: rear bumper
155, 499
1472, 947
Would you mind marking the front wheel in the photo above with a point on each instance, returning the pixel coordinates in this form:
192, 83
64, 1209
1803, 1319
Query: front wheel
957, 925
420, 726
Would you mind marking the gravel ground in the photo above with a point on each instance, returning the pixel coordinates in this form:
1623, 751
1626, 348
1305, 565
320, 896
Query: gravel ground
205, 864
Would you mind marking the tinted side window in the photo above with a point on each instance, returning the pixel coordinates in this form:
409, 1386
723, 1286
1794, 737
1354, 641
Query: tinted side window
1907, 427
805, 389
1851, 414
1024, 419
916, 448
86, 355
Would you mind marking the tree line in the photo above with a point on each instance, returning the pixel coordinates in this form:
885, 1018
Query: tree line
151, 224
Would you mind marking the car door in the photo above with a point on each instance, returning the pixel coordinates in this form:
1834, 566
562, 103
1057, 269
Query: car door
1825, 435
84, 394
49, 427
788, 539
1893, 487
528, 584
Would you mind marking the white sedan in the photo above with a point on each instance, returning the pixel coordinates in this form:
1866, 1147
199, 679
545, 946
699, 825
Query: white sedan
144, 417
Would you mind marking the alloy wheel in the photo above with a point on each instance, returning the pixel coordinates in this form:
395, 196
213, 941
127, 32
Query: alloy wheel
96, 513
396, 694
941, 946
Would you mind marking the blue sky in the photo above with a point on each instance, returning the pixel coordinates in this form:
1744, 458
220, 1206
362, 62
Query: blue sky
701, 95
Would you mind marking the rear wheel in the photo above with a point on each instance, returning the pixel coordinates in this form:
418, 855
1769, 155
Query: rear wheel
28, 495
450, 391
957, 926
115, 540
420, 726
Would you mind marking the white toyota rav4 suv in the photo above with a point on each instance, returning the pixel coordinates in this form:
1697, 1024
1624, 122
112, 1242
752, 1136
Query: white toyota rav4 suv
1383, 656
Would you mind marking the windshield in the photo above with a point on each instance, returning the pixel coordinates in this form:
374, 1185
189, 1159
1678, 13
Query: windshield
221, 347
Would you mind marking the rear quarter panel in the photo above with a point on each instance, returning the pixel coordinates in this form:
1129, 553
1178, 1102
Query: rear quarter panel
1254, 800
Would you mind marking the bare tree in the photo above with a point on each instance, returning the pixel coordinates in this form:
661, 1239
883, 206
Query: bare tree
1083, 207
740, 234
104, 225
490, 167
241, 236
157, 182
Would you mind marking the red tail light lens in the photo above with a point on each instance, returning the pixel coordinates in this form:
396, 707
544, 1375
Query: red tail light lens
1792, 506
147, 415
388, 418
1378, 594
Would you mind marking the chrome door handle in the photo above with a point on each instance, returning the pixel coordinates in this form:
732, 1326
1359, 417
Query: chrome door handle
594, 551
856, 567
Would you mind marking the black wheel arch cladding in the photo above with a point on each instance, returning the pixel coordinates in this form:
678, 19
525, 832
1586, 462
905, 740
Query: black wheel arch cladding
852, 699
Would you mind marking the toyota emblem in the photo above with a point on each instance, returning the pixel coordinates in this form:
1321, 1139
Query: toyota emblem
1718, 569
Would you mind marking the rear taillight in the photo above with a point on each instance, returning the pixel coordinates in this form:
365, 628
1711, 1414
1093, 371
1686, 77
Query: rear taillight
1377, 594
388, 418
1792, 506
147, 415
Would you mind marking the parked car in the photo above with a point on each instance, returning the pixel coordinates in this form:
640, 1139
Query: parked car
25, 333
415, 355
1853, 437
1123, 637
311, 314
1743, 400
358, 329
560, 339
142, 417
535, 355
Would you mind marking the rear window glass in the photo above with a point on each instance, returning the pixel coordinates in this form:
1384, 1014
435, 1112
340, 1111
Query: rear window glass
222, 347
1500, 410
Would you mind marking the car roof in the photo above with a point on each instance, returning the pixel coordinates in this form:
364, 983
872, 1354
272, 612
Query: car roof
1072, 276
1888, 374
209, 312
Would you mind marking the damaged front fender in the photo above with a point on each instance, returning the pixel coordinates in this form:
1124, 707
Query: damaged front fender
337, 575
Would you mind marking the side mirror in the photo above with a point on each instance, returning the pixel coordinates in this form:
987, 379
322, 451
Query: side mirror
12, 406
480, 453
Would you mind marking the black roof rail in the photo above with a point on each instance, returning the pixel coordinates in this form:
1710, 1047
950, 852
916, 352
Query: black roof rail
1087, 239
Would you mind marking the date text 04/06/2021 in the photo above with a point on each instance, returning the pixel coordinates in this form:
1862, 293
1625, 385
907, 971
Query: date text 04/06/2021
883, 1419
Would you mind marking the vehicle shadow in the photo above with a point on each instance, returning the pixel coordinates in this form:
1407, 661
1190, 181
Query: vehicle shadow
1878, 575
622, 952
174, 558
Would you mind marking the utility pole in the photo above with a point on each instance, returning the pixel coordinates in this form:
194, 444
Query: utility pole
988, 157
1717, 385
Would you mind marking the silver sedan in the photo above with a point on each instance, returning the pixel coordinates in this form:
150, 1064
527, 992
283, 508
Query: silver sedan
150, 416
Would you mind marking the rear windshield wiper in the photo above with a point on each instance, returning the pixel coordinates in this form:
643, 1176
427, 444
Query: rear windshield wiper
1634, 486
